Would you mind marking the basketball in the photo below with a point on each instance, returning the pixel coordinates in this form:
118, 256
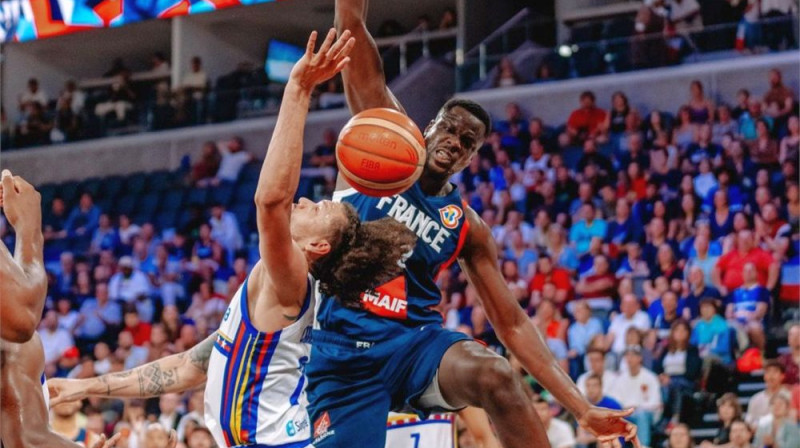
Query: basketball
380, 152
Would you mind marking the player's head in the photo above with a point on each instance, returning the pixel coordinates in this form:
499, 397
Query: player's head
454, 136
347, 256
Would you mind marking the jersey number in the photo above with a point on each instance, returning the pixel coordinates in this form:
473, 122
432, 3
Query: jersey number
415, 436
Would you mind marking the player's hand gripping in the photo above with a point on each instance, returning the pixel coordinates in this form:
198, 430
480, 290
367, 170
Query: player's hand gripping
21, 203
608, 425
332, 57
63, 390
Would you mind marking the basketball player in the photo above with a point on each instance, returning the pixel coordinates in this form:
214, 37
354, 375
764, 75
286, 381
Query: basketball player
393, 351
23, 287
23, 280
253, 364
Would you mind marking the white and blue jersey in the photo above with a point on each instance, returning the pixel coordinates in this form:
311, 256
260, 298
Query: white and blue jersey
255, 393
410, 431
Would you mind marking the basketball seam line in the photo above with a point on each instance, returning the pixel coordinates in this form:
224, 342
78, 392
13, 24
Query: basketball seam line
402, 132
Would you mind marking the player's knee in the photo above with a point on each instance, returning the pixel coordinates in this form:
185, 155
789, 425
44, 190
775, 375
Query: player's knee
496, 379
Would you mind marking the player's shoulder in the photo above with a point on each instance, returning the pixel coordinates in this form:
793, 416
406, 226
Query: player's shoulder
479, 233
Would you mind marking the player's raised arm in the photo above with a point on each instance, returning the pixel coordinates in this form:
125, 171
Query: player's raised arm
515, 331
23, 281
172, 374
280, 174
364, 80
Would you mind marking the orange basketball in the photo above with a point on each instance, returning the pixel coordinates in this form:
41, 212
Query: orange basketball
380, 152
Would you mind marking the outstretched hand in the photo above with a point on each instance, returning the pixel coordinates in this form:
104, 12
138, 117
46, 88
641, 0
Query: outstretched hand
20, 201
332, 57
63, 390
608, 425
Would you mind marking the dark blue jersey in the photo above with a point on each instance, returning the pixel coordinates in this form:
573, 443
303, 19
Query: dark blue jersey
408, 301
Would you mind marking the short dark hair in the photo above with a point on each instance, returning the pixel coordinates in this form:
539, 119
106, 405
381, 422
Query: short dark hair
774, 364
588, 94
473, 108
594, 376
364, 256
596, 350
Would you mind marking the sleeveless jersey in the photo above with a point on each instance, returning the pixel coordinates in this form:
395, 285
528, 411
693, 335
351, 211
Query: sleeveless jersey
407, 301
255, 392
409, 431
45, 391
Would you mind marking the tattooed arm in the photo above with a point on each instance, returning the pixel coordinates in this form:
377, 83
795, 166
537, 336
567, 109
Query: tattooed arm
176, 373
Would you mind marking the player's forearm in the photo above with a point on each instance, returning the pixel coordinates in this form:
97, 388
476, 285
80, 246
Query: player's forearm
528, 345
280, 172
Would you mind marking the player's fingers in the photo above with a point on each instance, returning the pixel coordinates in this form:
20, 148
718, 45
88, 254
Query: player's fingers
333, 53
101, 442
346, 49
636, 443
312, 43
173, 439
8, 182
326, 45
632, 431
620, 414
113, 441
339, 67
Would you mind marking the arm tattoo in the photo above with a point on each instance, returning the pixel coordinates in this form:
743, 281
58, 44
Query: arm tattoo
153, 380
200, 354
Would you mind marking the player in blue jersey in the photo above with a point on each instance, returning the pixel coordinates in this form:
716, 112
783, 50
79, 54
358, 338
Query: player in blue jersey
392, 352
253, 364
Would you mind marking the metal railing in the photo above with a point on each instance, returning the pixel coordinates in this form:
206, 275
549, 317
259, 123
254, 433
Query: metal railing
605, 56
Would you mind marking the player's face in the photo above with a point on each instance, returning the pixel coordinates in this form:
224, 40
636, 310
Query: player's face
316, 222
452, 139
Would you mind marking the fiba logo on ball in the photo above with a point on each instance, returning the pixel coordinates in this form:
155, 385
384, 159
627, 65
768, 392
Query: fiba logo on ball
371, 165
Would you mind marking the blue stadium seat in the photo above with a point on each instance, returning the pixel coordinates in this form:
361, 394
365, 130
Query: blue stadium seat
69, 192
159, 181
125, 205
245, 193
222, 193
148, 203
197, 196
112, 186
173, 200
48, 192
93, 186
106, 205
143, 217
166, 219
572, 155
245, 215
250, 172
305, 189
135, 183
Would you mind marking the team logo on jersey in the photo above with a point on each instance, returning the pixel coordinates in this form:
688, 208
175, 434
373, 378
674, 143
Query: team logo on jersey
451, 215
388, 300
322, 427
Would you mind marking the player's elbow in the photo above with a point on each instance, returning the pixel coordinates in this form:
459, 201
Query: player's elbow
349, 14
272, 198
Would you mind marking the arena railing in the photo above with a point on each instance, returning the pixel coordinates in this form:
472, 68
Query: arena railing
576, 59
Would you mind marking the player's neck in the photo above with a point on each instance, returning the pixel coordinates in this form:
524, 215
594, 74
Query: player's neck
435, 186
64, 425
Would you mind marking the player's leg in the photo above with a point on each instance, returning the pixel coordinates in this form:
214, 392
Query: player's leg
472, 375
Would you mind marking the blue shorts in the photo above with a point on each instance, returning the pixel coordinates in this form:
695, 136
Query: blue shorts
352, 385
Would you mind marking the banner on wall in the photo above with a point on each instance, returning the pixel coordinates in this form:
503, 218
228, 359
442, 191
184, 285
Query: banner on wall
22, 20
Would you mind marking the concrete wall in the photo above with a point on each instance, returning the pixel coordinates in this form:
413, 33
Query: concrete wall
665, 89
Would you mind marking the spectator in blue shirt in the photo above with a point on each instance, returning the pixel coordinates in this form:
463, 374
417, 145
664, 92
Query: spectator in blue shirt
517, 251
623, 228
587, 228
664, 312
579, 334
698, 289
749, 304
98, 315
594, 393
711, 334
84, 219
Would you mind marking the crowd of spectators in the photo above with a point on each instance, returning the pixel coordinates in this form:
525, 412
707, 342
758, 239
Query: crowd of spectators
657, 256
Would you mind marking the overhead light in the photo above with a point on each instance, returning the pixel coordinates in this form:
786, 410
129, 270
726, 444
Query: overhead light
565, 51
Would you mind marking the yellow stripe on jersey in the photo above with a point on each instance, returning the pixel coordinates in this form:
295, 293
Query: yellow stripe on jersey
241, 384
224, 336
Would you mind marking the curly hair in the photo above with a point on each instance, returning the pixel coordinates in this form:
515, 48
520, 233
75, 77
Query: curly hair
365, 255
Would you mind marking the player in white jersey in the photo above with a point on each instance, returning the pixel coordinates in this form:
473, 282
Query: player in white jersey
439, 430
255, 389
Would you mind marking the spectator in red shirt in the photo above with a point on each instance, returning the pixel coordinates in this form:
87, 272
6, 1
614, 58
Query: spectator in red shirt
791, 360
727, 274
599, 287
547, 273
585, 122
138, 329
